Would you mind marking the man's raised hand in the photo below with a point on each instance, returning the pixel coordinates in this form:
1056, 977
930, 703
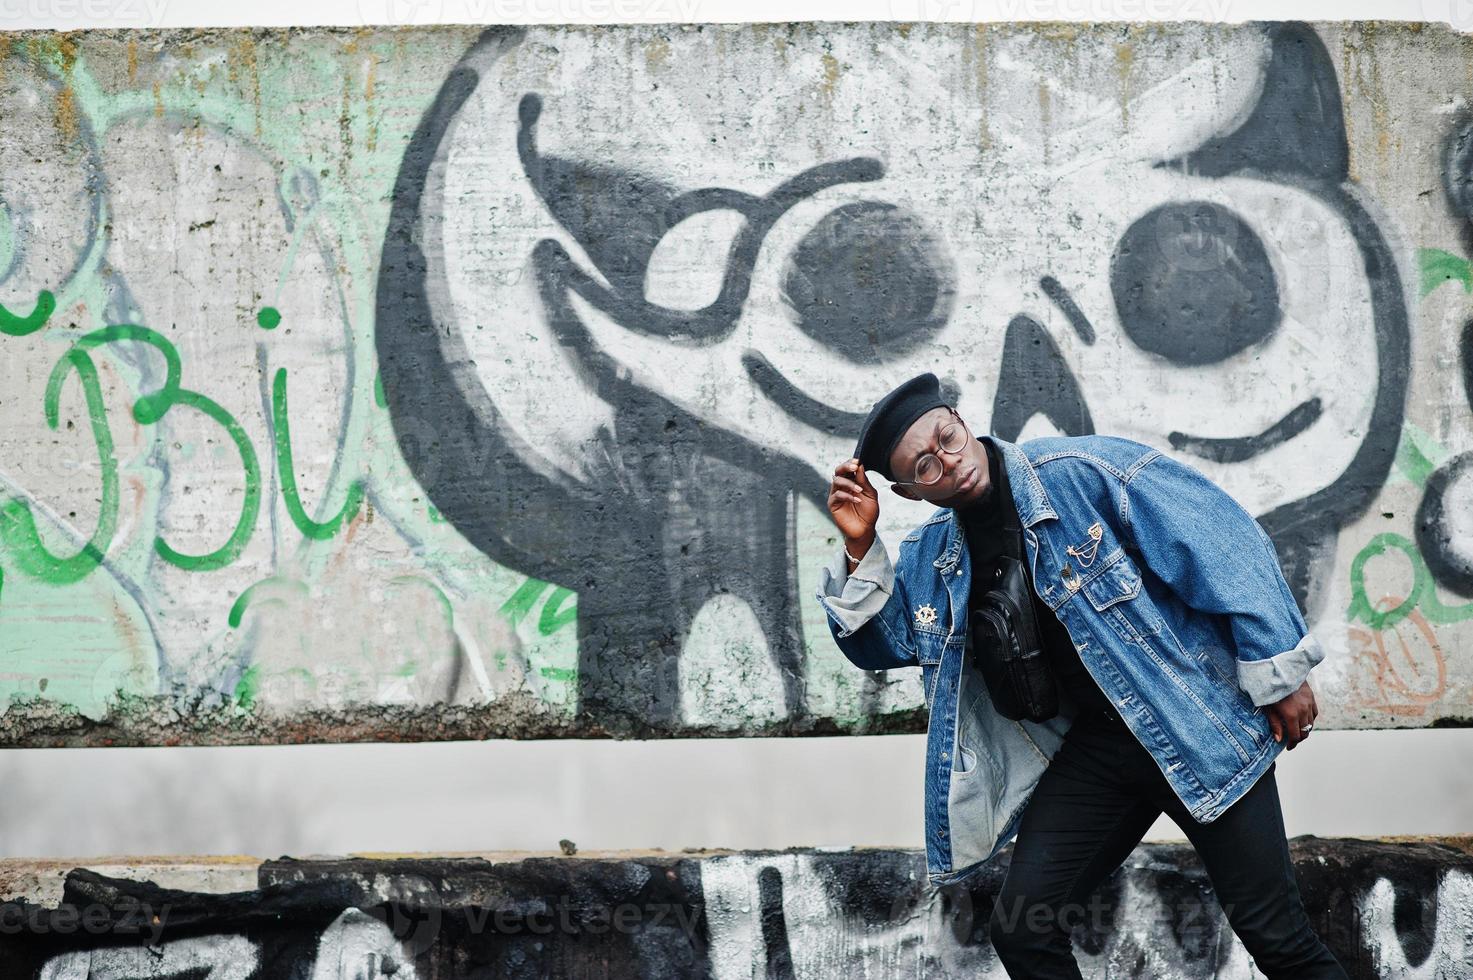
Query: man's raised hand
855, 506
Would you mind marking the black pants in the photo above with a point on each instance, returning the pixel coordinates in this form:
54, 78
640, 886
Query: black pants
1094, 803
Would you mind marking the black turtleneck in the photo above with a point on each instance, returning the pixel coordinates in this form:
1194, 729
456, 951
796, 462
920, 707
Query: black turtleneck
983, 521
983, 518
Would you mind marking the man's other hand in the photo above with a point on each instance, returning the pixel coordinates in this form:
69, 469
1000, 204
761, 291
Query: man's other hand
1288, 717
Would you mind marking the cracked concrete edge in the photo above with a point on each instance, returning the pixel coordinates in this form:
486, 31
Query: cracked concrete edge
161, 720
39, 881
214, 720
1065, 30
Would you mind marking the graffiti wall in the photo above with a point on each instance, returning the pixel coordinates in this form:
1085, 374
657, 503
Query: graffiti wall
428, 383
1386, 909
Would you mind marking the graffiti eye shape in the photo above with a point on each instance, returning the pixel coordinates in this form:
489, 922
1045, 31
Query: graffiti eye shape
1193, 284
689, 263
869, 282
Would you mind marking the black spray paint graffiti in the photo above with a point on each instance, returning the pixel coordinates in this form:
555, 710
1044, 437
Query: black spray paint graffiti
1193, 284
1386, 909
1449, 491
721, 525
1296, 134
643, 559
673, 517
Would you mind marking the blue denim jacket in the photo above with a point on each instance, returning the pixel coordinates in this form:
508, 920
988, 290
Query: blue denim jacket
1169, 589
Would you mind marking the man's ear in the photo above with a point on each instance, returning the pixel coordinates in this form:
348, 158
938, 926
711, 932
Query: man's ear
904, 492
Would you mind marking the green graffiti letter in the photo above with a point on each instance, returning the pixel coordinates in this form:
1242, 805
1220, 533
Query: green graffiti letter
152, 407
1439, 267
554, 617
18, 326
315, 530
1422, 593
18, 526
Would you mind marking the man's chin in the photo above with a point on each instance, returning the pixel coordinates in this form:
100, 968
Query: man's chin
976, 495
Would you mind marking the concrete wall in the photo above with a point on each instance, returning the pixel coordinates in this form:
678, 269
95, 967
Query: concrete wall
1386, 908
427, 383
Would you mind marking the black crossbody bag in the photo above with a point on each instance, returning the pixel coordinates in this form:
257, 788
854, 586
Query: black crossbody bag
1004, 632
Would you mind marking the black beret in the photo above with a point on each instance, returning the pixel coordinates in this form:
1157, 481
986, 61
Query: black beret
891, 416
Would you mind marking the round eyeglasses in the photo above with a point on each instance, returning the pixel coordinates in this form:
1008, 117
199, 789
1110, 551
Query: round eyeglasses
928, 467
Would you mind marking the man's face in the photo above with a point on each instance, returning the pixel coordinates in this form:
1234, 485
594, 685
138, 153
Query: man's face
964, 475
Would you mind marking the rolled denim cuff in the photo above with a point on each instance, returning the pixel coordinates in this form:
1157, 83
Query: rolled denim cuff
1275, 678
852, 599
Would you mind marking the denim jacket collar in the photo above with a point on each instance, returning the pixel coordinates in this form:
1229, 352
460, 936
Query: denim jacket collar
1028, 494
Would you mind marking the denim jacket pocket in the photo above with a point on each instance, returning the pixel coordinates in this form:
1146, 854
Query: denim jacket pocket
1115, 592
1116, 582
930, 649
930, 645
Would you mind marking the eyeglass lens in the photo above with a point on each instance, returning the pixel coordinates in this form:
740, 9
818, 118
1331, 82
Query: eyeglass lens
953, 438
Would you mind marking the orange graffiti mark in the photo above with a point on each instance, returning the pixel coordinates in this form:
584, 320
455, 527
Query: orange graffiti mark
1408, 677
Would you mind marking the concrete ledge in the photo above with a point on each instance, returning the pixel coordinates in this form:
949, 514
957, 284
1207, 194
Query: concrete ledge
1387, 907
